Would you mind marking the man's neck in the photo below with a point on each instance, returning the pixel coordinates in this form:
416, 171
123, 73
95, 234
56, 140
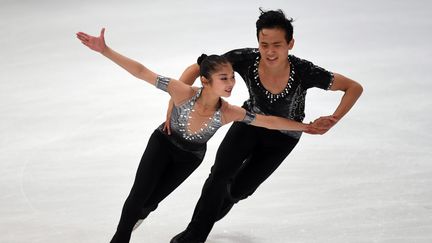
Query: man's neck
276, 71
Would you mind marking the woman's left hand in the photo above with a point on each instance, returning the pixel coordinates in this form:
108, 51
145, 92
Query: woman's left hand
93, 42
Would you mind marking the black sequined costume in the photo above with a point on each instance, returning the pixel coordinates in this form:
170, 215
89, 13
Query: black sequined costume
248, 155
290, 103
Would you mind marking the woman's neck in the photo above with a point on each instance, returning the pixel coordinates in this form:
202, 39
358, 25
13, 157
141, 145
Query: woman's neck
208, 101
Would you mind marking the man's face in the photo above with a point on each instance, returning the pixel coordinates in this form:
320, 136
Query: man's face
273, 46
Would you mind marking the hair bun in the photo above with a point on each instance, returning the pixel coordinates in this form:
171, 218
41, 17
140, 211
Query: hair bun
201, 59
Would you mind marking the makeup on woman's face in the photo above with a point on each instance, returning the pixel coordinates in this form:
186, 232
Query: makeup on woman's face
223, 81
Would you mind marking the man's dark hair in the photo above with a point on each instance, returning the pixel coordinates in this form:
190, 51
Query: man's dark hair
275, 19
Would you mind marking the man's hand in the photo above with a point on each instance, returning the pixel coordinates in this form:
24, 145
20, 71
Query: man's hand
167, 125
321, 125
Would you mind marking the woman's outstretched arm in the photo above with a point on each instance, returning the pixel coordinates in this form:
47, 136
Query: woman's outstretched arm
236, 113
175, 88
133, 67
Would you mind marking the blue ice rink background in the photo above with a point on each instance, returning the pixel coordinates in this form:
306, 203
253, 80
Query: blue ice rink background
73, 125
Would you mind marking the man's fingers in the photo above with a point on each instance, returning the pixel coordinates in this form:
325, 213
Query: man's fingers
315, 130
166, 128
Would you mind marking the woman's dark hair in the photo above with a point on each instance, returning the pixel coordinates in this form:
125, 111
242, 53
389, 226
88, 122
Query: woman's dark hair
210, 64
275, 19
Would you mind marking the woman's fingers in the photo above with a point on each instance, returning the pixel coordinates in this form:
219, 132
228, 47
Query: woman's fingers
83, 35
83, 38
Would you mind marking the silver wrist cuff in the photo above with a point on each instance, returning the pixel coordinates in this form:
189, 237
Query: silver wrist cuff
162, 83
249, 117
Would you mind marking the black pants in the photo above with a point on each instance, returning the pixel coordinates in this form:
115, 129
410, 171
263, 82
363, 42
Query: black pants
162, 169
247, 156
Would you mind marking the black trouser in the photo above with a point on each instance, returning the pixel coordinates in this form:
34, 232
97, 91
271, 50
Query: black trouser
162, 169
247, 156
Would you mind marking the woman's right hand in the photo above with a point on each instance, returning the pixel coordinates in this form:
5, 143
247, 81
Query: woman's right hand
93, 42
167, 125
321, 125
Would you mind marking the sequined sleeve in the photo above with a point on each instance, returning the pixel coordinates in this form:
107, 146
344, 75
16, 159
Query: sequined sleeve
249, 117
162, 83
331, 81
240, 59
312, 75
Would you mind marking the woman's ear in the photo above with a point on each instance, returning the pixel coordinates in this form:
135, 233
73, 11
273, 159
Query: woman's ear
204, 81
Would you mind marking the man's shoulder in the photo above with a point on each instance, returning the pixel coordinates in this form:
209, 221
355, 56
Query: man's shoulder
297, 60
242, 58
243, 52
300, 64
246, 50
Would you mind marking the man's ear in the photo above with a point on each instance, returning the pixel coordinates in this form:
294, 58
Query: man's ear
291, 44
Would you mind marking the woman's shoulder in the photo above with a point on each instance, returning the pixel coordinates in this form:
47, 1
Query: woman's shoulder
188, 95
226, 106
230, 112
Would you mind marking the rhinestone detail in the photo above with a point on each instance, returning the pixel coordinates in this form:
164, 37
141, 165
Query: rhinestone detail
209, 127
270, 96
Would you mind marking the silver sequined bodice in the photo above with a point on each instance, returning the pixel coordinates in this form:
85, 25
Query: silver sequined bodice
182, 137
180, 120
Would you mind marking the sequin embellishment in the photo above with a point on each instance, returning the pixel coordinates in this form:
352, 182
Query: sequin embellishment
208, 128
270, 96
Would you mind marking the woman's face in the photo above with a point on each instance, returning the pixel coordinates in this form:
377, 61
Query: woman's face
273, 47
223, 81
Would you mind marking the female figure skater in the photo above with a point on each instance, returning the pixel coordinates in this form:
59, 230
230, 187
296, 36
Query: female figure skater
198, 113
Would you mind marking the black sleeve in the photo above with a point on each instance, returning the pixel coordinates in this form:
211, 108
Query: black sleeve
312, 75
240, 58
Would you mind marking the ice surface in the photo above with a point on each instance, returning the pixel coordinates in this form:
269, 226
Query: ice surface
73, 125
